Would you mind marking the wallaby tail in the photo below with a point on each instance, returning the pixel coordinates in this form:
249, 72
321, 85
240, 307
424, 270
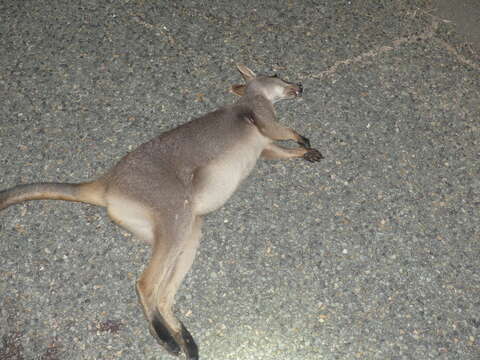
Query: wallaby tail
90, 192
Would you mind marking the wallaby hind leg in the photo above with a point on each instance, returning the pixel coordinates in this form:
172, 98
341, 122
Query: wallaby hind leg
139, 220
174, 248
183, 263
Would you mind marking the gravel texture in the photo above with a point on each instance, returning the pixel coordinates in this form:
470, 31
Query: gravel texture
372, 254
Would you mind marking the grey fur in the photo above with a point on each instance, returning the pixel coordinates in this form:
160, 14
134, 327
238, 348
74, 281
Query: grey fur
161, 191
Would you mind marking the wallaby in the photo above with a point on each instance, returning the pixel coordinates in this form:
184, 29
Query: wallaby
161, 191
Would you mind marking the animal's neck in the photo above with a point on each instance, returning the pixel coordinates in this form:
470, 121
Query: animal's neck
257, 102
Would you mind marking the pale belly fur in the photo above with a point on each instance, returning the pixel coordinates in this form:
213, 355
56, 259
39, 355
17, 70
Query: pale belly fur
221, 177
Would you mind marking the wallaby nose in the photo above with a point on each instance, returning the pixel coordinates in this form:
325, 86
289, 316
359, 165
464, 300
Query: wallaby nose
300, 88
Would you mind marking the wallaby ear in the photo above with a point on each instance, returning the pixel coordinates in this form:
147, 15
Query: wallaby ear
238, 89
246, 72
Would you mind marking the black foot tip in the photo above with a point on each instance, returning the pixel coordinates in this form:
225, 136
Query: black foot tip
191, 349
164, 337
304, 142
313, 155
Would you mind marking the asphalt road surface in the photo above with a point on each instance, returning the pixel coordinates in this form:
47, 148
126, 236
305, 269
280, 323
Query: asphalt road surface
374, 253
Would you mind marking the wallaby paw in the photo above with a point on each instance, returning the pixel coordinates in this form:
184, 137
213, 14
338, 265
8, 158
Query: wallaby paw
313, 155
163, 335
304, 142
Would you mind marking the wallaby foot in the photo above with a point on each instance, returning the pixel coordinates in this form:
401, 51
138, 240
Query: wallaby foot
173, 342
162, 334
313, 155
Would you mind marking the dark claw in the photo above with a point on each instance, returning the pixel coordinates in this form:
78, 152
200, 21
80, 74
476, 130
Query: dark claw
313, 155
304, 142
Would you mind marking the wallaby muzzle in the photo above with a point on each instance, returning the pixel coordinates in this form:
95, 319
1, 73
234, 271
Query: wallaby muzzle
300, 89
295, 90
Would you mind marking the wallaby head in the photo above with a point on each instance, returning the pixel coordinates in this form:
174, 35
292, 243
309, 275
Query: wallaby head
271, 87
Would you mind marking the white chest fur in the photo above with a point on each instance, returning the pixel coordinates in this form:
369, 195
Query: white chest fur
218, 180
